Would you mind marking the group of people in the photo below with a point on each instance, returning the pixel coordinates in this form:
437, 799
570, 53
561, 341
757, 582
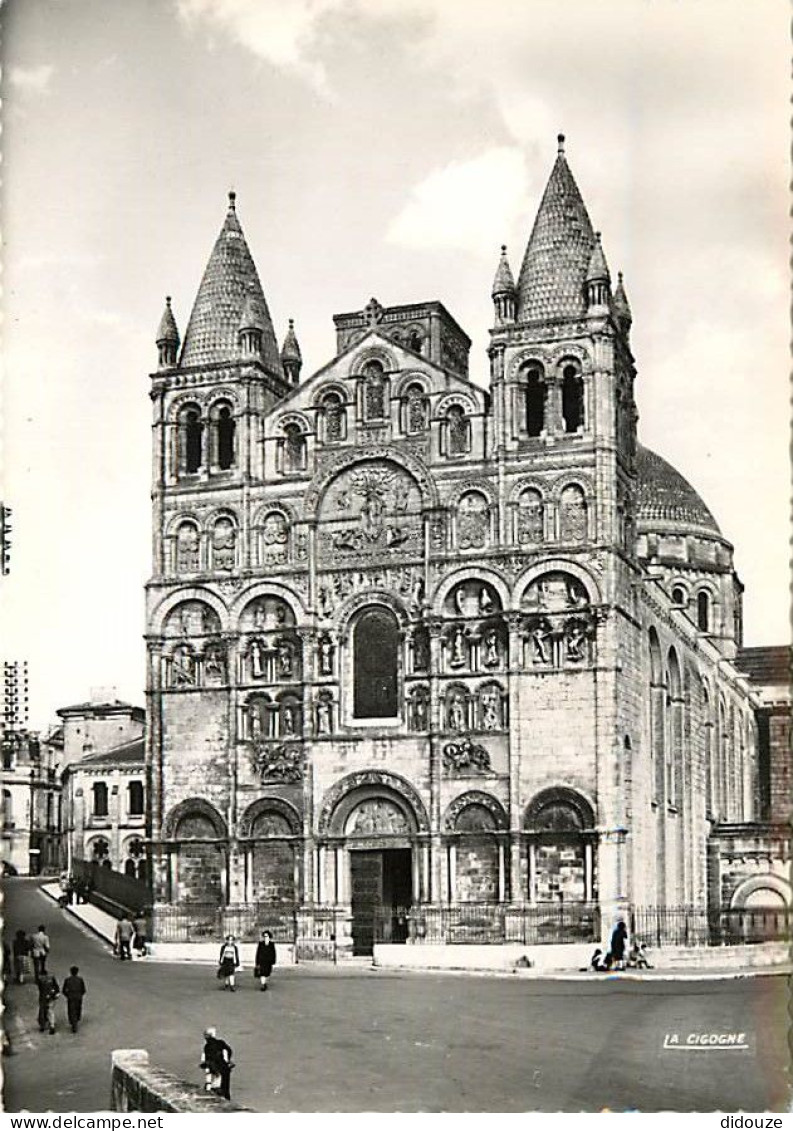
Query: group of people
229, 961
30, 954
615, 957
73, 889
131, 934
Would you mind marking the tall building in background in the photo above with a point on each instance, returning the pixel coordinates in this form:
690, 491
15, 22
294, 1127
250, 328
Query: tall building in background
29, 842
425, 652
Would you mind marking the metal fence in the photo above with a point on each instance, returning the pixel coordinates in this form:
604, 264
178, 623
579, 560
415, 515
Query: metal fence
710, 926
493, 923
210, 922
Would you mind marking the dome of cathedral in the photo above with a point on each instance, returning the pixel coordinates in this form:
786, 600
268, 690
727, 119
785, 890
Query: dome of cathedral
664, 495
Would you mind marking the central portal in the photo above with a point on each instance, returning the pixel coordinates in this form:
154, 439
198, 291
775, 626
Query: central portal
382, 892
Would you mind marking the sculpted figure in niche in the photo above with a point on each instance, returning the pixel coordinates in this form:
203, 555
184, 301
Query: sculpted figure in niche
458, 431
485, 601
420, 711
491, 648
530, 518
323, 717
575, 642
416, 409
187, 548
215, 665
473, 522
334, 418
374, 392
256, 653
491, 709
257, 718
288, 719
540, 644
182, 667
325, 656
421, 652
572, 515
457, 720
285, 660
224, 542
275, 536
458, 648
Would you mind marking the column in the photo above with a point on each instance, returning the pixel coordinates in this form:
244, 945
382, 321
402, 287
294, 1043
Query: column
452, 866
514, 666
588, 871
501, 872
321, 879
436, 847
532, 878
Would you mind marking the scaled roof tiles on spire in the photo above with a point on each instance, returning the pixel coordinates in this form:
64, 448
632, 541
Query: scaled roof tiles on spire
552, 278
213, 329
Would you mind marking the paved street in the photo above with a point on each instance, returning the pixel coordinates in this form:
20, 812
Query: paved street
358, 1040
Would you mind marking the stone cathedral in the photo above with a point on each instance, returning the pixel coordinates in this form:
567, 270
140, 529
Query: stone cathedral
419, 644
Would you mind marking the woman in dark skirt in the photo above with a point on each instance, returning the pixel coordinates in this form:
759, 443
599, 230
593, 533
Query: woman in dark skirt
265, 959
229, 961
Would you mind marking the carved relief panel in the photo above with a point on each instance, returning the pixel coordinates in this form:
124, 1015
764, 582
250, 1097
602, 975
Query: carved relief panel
369, 511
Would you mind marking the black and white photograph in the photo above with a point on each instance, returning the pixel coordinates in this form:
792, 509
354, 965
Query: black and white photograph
395, 540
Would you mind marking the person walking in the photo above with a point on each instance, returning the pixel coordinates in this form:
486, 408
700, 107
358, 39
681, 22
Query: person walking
124, 933
619, 938
229, 961
74, 991
49, 992
39, 950
140, 941
265, 959
20, 948
217, 1063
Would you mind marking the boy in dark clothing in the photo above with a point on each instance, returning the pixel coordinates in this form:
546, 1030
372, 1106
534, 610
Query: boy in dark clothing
74, 992
217, 1063
48, 995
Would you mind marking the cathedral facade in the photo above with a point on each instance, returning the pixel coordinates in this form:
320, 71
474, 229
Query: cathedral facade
417, 645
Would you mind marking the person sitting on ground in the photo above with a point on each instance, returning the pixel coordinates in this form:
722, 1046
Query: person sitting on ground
596, 961
638, 957
74, 992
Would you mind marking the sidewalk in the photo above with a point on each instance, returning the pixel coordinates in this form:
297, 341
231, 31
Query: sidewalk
425, 960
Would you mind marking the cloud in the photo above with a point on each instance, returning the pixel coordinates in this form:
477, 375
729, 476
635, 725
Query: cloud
281, 34
467, 204
32, 80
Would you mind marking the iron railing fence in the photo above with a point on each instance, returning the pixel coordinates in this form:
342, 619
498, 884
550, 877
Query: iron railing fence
210, 922
493, 923
710, 926
111, 889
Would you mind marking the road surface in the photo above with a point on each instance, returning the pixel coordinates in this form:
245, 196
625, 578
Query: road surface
360, 1040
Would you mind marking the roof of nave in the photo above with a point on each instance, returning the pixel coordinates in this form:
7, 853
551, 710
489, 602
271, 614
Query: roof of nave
230, 287
130, 753
554, 271
768, 665
664, 495
97, 707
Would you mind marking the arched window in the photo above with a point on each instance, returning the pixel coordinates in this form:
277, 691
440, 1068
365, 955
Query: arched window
703, 611
679, 596
335, 418
100, 799
572, 515
226, 428
572, 399
129, 868
188, 548
415, 414
531, 517
458, 431
374, 390
536, 393
190, 441
414, 341
376, 664
135, 802
294, 449
100, 851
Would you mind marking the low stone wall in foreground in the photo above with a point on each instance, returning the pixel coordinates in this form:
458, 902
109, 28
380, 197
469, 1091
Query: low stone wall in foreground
137, 1086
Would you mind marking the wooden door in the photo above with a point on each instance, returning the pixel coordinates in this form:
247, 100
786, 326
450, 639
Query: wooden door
366, 889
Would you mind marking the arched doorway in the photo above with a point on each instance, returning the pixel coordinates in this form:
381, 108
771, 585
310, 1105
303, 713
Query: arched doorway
373, 823
560, 835
198, 846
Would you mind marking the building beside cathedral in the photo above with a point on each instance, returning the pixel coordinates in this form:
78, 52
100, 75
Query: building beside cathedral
417, 645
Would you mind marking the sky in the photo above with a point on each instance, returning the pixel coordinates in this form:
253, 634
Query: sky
378, 148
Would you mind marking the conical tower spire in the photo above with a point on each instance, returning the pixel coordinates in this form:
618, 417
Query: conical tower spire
291, 357
554, 270
503, 294
229, 280
598, 280
620, 307
167, 337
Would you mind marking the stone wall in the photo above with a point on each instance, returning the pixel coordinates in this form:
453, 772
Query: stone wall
137, 1086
